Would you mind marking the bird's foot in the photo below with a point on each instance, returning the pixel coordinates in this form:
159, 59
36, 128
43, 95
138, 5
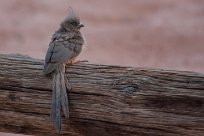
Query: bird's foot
81, 61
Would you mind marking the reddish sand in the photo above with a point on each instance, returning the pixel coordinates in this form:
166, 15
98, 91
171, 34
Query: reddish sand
166, 34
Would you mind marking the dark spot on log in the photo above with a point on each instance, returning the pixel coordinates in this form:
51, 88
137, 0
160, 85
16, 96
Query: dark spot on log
128, 87
12, 96
176, 103
25, 128
18, 129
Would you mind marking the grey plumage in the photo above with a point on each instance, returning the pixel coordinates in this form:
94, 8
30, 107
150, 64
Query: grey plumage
65, 46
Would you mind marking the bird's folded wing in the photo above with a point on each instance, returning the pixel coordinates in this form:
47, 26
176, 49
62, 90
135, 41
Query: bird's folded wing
57, 54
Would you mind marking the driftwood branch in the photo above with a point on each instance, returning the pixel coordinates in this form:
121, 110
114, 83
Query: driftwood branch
105, 100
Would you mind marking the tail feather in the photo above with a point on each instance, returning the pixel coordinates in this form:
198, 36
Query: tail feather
58, 103
59, 99
53, 106
64, 98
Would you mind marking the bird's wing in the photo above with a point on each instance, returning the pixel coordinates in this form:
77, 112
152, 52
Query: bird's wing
57, 53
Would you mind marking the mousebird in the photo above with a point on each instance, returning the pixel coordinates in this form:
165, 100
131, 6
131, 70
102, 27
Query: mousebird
66, 44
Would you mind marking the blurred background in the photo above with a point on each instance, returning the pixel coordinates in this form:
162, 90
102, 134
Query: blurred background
167, 34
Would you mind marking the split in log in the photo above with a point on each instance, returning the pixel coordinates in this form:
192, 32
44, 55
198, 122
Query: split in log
104, 100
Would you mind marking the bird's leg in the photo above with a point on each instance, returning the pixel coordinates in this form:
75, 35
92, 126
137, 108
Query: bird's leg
68, 85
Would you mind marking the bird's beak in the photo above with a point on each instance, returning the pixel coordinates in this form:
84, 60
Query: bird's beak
80, 25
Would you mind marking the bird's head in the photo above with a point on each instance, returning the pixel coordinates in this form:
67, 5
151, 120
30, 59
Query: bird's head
72, 22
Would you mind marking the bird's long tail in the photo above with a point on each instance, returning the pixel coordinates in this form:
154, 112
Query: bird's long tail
59, 98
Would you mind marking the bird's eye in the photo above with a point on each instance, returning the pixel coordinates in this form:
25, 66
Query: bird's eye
74, 23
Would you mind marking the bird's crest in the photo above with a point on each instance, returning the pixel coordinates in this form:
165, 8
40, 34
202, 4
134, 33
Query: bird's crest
72, 16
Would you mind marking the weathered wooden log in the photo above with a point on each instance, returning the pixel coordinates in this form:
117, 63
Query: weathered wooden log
104, 100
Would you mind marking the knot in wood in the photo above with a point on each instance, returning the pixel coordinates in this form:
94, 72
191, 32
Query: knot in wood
127, 86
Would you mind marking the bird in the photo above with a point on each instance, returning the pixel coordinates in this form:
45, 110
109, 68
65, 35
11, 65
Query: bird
66, 44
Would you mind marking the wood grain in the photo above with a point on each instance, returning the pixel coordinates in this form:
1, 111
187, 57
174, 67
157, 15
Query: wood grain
104, 100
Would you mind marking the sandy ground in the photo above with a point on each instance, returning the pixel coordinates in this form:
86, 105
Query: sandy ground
142, 33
